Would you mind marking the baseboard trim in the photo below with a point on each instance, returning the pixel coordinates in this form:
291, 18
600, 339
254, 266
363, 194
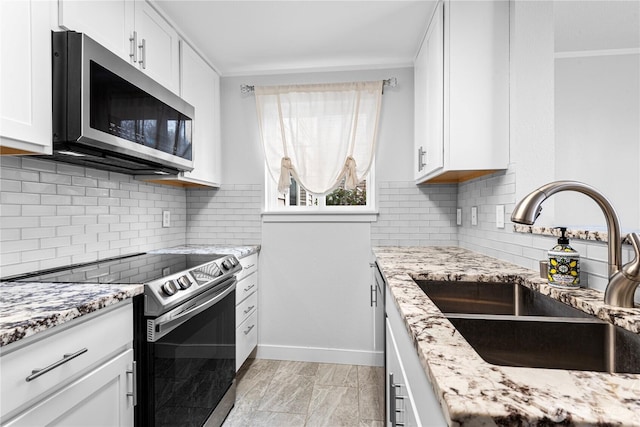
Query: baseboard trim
321, 355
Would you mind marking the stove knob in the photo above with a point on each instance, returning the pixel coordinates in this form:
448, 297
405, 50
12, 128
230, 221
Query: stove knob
234, 261
184, 282
216, 271
226, 264
169, 288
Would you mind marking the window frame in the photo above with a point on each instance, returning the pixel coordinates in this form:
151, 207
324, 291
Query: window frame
271, 197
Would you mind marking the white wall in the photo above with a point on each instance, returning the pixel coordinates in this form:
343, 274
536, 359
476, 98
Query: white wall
315, 276
597, 133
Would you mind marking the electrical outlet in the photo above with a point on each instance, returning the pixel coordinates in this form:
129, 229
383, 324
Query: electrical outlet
499, 216
474, 215
458, 216
166, 219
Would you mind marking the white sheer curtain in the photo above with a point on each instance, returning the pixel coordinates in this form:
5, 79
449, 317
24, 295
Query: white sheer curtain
319, 133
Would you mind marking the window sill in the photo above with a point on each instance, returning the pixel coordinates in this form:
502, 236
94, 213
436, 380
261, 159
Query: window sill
368, 216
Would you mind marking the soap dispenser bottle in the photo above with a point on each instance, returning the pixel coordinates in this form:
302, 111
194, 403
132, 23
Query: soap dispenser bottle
564, 263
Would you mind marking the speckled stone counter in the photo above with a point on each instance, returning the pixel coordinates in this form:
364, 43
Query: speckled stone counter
473, 392
238, 251
29, 308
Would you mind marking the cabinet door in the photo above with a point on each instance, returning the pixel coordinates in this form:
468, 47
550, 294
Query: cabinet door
25, 81
96, 399
108, 22
429, 98
201, 88
399, 400
158, 47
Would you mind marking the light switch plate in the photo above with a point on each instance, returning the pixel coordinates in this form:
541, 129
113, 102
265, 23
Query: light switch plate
474, 215
166, 219
500, 216
458, 216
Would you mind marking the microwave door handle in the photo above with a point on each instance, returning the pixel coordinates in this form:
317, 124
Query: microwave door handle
164, 327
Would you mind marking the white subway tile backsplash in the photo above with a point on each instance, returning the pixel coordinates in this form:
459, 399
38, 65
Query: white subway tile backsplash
519, 248
19, 198
55, 214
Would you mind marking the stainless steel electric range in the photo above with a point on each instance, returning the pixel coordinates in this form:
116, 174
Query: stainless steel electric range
184, 332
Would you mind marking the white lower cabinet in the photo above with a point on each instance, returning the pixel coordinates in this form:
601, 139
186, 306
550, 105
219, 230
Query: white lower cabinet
97, 399
246, 309
86, 373
410, 399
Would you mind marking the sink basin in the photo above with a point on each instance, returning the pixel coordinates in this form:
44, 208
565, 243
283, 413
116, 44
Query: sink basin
494, 298
551, 342
511, 325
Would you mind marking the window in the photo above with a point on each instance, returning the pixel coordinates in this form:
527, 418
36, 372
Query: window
340, 200
319, 144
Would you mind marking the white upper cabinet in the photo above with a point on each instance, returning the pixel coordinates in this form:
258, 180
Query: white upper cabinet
200, 87
25, 81
158, 46
108, 22
462, 93
429, 99
133, 30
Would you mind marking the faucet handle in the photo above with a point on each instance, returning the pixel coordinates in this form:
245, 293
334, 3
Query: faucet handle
632, 269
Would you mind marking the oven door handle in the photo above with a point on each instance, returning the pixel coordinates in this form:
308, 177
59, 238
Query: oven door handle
163, 327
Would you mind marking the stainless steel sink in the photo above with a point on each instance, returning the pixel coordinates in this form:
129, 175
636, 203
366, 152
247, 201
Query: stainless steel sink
494, 298
511, 325
551, 342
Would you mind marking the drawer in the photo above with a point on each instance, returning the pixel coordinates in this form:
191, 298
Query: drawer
246, 307
246, 338
102, 336
249, 265
246, 287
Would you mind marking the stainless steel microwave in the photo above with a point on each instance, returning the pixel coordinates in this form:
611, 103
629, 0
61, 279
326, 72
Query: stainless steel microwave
109, 115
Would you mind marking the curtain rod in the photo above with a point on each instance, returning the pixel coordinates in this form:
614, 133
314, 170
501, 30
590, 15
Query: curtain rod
391, 82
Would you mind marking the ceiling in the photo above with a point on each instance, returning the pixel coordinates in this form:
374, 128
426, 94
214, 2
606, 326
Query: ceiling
262, 37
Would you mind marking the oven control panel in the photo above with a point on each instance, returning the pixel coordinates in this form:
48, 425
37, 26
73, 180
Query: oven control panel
163, 294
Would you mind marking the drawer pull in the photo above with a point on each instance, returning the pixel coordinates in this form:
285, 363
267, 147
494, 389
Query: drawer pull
248, 288
249, 309
65, 358
249, 329
249, 266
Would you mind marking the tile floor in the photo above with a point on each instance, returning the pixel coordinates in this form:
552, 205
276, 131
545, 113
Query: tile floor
278, 393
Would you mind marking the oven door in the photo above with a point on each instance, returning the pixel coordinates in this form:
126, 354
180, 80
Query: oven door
188, 362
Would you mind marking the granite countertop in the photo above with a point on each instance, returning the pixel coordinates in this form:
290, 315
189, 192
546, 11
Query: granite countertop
473, 392
238, 251
27, 308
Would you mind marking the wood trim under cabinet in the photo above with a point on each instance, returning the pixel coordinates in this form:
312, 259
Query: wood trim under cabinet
454, 177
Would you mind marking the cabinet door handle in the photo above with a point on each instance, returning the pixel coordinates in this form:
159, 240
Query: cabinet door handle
248, 288
249, 266
134, 383
392, 401
249, 329
133, 47
421, 156
249, 309
374, 299
65, 358
393, 397
143, 54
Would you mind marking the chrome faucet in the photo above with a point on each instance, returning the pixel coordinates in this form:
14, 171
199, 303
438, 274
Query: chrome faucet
623, 280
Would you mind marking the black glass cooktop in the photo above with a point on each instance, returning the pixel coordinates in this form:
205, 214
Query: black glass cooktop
131, 269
